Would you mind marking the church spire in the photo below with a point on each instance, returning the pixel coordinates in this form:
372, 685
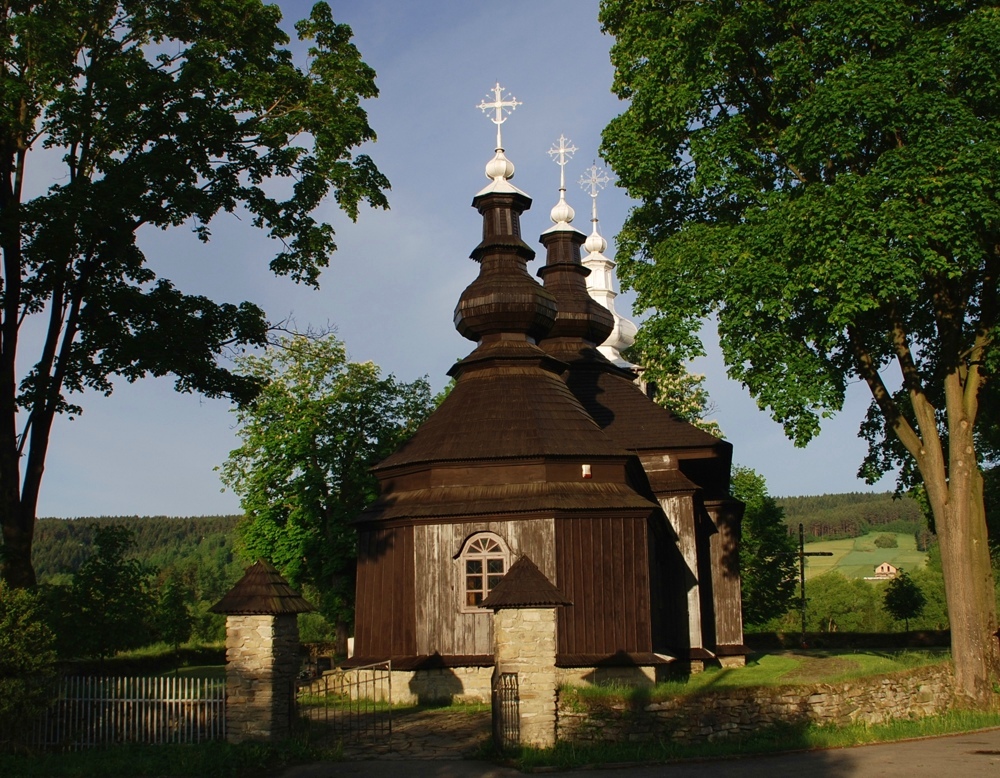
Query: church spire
504, 302
600, 282
581, 323
499, 169
562, 152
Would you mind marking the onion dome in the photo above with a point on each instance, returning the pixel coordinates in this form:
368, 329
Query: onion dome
504, 299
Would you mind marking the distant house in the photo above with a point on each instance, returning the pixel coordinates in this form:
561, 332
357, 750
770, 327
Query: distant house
886, 570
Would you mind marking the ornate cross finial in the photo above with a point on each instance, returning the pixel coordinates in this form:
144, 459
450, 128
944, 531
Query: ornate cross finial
500, 107
562, 153
594, 179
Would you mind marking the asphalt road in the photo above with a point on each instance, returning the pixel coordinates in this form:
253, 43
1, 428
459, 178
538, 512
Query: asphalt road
955, 756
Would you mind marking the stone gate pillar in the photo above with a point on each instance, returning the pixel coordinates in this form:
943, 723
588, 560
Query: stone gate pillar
262, 654
524, 642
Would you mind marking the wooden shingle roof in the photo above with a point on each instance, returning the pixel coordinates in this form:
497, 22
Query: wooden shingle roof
506, 407
628, 416
490, 499
262, 591
524, 586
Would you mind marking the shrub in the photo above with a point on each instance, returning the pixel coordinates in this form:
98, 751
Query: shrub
886, 541
27, 663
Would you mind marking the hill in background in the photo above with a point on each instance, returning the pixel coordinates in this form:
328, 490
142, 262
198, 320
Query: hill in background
855, 514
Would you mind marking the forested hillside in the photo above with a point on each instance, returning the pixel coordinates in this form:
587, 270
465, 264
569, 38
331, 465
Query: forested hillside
851, 515
196, 555
173, 545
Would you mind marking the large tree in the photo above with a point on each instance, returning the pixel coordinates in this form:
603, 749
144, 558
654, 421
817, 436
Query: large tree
823, 178
151, 114
302, 470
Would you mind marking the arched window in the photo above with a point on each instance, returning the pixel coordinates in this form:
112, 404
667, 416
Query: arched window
484, 562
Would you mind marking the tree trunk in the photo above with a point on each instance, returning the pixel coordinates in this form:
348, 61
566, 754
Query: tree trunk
18, 532
342, 632
968, 581
18, 524
960, 521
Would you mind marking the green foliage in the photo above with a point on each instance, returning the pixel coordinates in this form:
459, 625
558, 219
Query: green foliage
172, 620
27, 662
839, 604
150, 116
676, 389
110, 604
886, 541
302, 469
903, 599
767, 552
852, 514
196, 553
824, 180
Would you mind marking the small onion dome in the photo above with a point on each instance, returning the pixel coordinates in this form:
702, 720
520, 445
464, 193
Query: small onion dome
595, 243
562, 212
500, 170
500, 167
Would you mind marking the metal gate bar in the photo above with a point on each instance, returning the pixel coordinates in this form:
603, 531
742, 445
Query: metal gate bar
506, 712
354, 705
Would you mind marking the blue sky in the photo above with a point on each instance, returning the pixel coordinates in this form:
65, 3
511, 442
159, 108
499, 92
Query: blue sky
392, 285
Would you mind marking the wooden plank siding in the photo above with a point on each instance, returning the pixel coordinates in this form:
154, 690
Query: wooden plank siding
602, 567
384, 619
681, 573
442, 625
727, 595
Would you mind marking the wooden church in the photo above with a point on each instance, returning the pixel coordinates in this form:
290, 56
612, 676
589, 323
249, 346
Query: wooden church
546, 448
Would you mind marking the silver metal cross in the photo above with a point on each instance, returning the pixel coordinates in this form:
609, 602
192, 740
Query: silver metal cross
562, 152
500, 107
594, 179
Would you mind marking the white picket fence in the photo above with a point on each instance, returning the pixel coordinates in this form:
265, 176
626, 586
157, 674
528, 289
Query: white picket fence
91, 711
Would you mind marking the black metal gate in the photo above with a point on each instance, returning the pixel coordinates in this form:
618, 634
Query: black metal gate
354, 706
506, 711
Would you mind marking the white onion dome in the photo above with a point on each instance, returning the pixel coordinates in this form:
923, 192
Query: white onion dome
562, 212
500, 168
595, 243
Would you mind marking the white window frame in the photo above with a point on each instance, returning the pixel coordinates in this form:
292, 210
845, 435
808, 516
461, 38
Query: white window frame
480, 549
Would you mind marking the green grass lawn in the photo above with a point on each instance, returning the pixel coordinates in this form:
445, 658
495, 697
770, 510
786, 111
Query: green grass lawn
858, 557
775, 668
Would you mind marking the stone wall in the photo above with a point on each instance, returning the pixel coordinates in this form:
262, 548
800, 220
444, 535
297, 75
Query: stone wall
724, 713
262, 660
411, 687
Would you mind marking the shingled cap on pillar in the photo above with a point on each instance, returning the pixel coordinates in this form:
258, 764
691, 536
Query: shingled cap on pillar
524, 586
262, 591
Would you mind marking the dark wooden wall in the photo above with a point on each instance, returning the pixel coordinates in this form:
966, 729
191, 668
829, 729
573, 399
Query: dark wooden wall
602, 567
727, 516
384, 621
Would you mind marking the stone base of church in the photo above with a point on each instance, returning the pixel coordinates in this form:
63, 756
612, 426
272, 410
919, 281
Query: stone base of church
441, 685
595, 676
